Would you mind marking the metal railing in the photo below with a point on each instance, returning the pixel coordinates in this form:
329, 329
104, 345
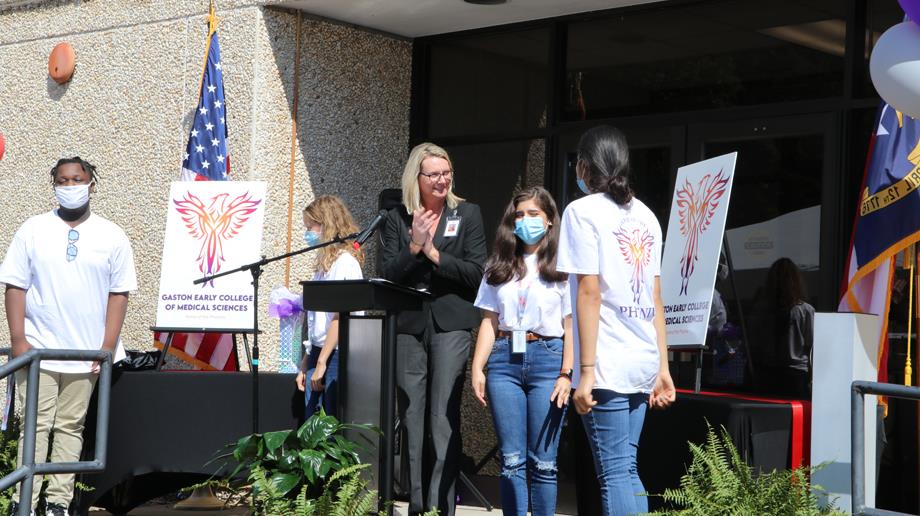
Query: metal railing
24, 473
858, 437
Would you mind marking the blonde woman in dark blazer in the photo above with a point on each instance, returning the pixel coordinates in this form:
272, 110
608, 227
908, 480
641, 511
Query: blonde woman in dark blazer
436, 242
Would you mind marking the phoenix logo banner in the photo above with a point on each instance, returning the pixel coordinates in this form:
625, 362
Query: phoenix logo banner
211, 226
213, 223
696, 205
692, 247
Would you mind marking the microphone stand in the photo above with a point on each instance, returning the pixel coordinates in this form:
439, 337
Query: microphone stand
255, 268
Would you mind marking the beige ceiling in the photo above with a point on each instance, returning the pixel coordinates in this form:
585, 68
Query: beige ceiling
414, 18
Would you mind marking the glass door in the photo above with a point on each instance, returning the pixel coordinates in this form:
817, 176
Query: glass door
785, 205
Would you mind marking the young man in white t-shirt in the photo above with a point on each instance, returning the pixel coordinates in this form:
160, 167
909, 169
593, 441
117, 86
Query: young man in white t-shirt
67, 274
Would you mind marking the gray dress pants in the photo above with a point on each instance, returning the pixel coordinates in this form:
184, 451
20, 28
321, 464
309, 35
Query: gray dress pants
430, 374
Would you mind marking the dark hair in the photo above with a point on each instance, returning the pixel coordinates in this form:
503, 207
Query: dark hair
507, 260
87, 167
784, 285
604, 151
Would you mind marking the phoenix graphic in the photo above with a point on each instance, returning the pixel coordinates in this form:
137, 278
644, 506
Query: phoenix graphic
213, 223
636, 246
695, 206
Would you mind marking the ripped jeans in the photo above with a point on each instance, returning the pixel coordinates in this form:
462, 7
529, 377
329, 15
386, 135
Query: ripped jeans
519, 386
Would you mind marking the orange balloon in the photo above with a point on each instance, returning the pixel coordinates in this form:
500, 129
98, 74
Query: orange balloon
61, 62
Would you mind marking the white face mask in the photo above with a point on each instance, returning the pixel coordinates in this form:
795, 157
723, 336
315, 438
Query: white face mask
72, 197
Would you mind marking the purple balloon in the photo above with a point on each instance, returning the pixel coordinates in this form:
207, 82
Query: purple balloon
911, 9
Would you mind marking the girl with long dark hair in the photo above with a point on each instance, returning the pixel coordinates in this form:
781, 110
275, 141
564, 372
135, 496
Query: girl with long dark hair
526, 337
611, 244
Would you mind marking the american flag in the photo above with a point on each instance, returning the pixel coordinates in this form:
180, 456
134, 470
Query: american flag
206, 158
206, 155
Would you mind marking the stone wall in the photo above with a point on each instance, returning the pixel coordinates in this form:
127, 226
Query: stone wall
129, 107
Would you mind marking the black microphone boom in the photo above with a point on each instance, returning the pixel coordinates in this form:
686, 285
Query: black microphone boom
369, 230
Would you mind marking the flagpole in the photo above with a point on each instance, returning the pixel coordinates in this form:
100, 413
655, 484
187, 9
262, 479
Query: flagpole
915, 277
212, 28
910, 257
294, 108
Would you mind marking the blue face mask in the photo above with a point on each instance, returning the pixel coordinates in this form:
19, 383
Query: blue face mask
530, 229
582, 185
311, 238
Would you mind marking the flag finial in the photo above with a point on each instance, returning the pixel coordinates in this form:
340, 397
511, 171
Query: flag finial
212, 17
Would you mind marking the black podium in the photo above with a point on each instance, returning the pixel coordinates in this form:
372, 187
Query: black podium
366, 341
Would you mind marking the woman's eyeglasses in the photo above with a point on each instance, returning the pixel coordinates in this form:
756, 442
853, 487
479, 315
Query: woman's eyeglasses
434, 177
72, 238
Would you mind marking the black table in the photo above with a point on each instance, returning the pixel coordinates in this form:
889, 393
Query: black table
761, 430
165, 427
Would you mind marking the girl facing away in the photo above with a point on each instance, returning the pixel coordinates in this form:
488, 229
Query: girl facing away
610, 244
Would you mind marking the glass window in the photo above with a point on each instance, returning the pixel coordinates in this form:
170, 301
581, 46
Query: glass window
649, 170
488, 84
702, 56
774, 214
488, 174
881, 15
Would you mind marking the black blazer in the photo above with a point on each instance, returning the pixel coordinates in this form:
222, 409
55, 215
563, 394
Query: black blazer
453, 283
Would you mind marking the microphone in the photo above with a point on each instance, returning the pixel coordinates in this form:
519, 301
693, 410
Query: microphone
369, 230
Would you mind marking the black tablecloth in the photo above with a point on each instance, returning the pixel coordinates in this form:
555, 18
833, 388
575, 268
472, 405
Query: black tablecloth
165, 426
762, 431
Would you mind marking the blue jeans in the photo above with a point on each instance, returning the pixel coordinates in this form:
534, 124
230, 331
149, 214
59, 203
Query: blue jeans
325, 398
613, 427
528, 424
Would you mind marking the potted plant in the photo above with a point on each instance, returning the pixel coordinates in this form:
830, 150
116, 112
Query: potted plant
290, 470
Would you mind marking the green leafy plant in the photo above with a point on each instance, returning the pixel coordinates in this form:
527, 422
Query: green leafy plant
719, 482
345, 494
9, 446
289, 463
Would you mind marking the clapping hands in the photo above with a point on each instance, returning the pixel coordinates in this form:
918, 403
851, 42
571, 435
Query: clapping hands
421, 234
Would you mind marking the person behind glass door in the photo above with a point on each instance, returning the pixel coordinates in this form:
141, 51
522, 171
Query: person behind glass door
435, 241
326, 218
530, 376
792, 326
610, 244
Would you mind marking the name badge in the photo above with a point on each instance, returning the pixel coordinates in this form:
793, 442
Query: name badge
519, 341
452, 227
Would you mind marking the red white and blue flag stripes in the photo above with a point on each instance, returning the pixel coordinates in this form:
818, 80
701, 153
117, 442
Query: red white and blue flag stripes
206, 154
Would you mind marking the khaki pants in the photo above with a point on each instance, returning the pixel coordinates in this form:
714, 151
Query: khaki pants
62, 402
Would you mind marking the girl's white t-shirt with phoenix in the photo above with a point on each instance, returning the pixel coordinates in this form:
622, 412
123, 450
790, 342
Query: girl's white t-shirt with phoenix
622, 245
545, 305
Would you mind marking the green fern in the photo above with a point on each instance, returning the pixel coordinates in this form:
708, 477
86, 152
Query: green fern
346, 494
719, 482
266, 498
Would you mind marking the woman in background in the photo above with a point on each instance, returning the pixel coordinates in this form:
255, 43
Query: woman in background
791, 329
529, 384
326, 218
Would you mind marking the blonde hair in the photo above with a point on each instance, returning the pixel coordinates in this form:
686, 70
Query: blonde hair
412, 197
331, 212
